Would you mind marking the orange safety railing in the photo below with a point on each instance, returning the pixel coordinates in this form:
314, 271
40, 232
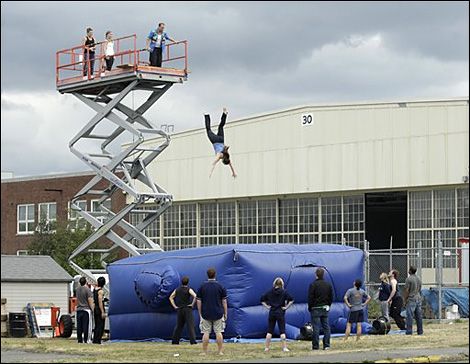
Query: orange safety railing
71, 63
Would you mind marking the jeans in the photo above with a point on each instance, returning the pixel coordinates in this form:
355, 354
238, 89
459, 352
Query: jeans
413, 309
384, 307
83, 321
320, 318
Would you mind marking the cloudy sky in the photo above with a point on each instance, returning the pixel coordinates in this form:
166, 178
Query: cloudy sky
251, 57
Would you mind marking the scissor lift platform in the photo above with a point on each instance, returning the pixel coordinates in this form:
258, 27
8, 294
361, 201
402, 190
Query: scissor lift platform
104, 93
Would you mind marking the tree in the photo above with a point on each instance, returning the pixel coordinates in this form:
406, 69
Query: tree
60, 243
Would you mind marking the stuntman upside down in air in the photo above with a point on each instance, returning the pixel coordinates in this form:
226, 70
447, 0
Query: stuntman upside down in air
217, 140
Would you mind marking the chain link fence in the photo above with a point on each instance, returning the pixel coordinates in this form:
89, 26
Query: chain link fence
439, 268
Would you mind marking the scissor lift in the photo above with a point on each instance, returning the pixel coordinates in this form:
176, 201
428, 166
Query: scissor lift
104, 93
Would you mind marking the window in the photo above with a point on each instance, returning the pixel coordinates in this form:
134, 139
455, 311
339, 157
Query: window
266, 217
247, 217
100, 213
25, 219
208, 213
288, 216
308, 215
353, 213
171, 228
462, 208
48, 215
227, 227
331, 214
420, 209
21, 252
444, 208
188, 226
75, 220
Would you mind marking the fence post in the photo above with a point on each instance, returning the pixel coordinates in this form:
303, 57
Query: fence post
366, 265
419, 260
439, 276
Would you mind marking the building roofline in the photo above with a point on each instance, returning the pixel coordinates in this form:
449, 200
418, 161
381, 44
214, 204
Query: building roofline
28, 280
320, 106
48, 176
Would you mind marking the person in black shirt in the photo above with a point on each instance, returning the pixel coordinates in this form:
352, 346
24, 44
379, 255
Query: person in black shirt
99, 312
320, 298
277, 301
385, 290
181, 301
89, 46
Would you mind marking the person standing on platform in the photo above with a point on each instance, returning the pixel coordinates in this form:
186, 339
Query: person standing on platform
385, 290
277, 301
99, 312
212, 308
354, 300
108, 51
155, 44
395, 300
217, 140
320, 298
412, 300
183, 299
89, 46
85, 307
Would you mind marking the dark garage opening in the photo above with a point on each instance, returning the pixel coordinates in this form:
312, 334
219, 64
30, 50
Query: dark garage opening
386, 216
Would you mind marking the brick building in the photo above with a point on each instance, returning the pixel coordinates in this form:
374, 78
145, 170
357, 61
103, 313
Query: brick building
27, 200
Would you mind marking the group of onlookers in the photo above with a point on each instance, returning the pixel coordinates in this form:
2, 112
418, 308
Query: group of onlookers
211, 301
91, 313
155, 44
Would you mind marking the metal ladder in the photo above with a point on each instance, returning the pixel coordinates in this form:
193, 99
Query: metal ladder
126, 171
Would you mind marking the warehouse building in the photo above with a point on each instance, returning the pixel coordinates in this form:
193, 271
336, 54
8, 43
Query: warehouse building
338, 173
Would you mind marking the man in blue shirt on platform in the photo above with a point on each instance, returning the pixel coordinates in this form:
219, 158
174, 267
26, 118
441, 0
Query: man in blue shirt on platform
155, 44
212, 307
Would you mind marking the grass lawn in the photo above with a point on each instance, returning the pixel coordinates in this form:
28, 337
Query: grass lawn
435, 336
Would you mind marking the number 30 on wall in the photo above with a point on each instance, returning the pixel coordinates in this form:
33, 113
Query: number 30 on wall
307, 119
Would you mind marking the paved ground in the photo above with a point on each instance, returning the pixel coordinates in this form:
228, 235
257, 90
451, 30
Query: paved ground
17, 356
367, 356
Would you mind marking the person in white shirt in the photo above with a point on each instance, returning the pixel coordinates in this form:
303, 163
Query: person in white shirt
108, 52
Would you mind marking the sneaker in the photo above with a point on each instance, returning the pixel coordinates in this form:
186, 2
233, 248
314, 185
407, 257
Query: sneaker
85, 78
266, 350
285, 350
102, 74
326, 348
221, 353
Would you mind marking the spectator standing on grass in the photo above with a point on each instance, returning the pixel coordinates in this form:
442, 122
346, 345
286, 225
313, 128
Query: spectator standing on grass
412, 300
183, 299
320, 298
212, 308
277, 300
354, 299
99, 311
395, 300
385, 290
85, 307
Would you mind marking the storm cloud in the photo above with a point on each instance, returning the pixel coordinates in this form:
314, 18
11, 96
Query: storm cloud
251, 57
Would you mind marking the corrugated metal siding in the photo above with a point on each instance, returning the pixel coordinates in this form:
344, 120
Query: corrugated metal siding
348, 148
19, 294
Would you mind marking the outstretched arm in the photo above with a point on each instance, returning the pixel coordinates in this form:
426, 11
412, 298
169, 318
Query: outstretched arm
234, 175
217, 159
